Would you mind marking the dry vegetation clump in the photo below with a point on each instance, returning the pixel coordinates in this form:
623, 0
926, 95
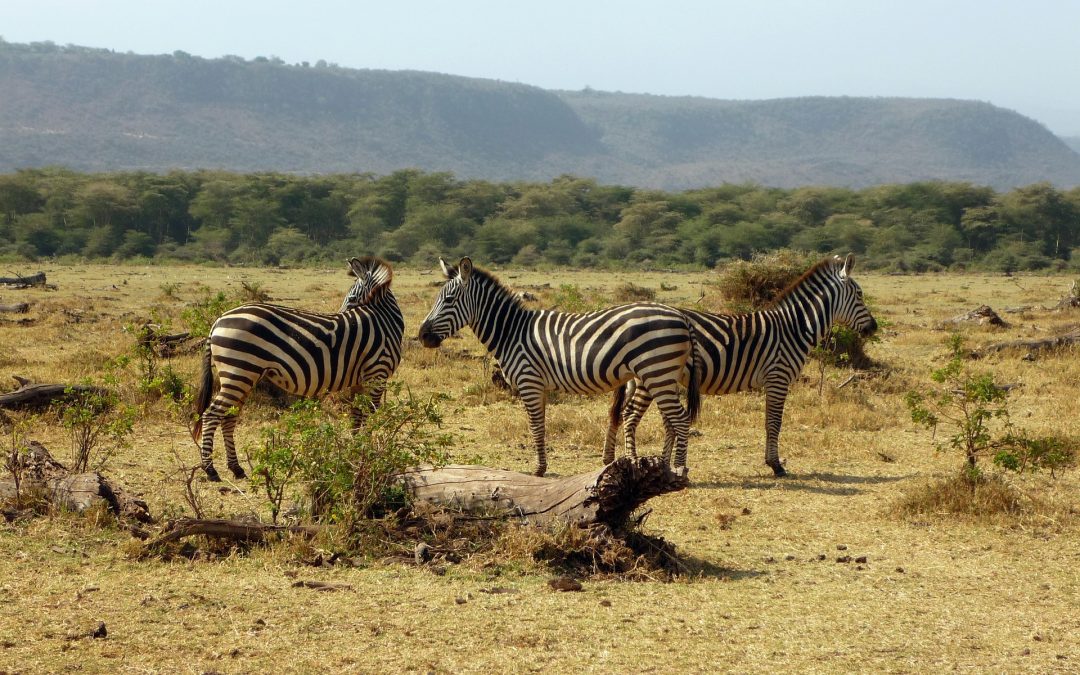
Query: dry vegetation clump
982, 497
750, 285
630, 292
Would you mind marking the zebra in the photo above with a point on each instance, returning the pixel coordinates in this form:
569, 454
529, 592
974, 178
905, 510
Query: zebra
540, 351
765, 349
305, 353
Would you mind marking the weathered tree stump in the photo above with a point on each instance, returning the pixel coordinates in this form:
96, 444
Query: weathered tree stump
981, 315
40, 474
1072, 299
28, 396
607, 495
1031, 346
24, 282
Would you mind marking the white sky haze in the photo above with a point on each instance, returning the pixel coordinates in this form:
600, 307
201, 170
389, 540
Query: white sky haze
1021, 55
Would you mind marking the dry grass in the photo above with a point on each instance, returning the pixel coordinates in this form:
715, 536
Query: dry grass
937, 590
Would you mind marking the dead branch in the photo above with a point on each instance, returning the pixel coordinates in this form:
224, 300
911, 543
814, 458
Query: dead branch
322, 585
16, 308
235, 530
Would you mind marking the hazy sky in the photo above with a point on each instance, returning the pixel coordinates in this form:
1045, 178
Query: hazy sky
1023, 55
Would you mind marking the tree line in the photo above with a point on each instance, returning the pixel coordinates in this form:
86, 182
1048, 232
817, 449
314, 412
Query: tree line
414, 216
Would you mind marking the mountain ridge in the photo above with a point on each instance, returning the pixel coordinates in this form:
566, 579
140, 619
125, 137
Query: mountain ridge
99, 110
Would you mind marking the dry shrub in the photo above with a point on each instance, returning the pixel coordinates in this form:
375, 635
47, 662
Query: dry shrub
979, 495
631, 292
749, 285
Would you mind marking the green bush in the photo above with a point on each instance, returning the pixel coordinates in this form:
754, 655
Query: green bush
344, 477
975, 407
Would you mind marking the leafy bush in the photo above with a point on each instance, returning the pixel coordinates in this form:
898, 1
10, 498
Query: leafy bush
976, 408
341, 476
201, 314
98, 424
570, 298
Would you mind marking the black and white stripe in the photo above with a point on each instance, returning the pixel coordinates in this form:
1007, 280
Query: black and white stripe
540, 351
305, 353
763, 350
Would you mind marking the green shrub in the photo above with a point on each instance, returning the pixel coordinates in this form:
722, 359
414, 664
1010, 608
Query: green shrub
98, 423
344, 477
975, 407
201, 314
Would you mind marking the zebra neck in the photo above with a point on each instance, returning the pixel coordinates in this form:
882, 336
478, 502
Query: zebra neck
498, 321
809, 316
386, 305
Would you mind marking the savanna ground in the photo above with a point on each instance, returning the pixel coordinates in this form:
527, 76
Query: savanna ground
764, 589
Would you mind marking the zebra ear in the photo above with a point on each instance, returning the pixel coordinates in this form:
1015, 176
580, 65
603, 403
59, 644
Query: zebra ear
448, 272
465, 269
849, 264
356, 267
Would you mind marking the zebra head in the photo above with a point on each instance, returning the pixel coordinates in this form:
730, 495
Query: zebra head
850, 307
372, 275
453, 308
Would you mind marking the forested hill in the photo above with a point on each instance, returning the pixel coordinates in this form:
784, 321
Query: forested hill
97, 110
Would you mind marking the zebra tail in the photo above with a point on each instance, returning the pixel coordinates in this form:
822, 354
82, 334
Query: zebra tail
206, 391
618, 401
693, 385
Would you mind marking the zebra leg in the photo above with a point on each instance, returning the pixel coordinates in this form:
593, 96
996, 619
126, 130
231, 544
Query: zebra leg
615, 419
228, 426
360, 412
210, 422
678, 420
775, 394
535, 405
639, 403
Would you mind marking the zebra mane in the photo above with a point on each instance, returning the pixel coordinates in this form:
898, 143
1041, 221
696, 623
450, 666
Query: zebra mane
817, 267
491, 280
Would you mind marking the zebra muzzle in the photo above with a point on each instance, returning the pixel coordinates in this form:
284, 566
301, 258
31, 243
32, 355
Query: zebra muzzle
428, 337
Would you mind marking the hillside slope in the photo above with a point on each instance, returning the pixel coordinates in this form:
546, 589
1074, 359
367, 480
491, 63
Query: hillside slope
97, 110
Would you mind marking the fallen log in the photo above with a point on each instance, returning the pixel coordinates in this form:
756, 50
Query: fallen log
35, 472
167, 345
19, 281
1030, 346
607, 495
16, 308
41, 395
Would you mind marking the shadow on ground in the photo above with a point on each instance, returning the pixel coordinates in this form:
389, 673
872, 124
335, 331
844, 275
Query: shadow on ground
816, 483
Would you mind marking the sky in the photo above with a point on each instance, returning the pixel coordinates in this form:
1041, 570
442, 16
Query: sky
1023, 55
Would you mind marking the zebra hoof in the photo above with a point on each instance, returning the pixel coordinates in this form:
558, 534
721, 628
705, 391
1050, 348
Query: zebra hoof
238, 472
212, 474
540, 471
778, 470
